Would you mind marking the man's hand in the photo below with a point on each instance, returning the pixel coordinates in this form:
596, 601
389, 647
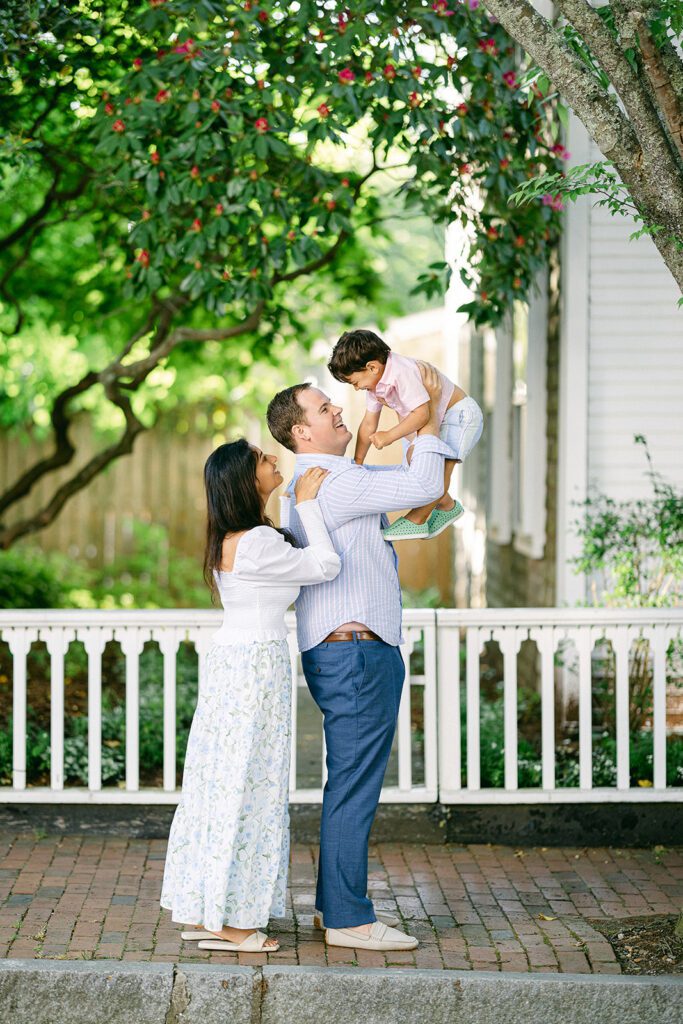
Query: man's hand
431, 381
380, 439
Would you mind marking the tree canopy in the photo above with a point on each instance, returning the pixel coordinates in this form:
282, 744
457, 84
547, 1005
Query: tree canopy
184, 174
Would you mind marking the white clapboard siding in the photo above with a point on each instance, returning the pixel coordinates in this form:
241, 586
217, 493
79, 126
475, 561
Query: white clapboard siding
635, 359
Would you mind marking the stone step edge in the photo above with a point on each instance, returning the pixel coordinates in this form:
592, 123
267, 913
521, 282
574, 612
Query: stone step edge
138, 992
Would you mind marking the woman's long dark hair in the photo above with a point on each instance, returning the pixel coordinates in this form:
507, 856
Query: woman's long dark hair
232, 500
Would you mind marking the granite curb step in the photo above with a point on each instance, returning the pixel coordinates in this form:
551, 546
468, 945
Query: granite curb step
115, 992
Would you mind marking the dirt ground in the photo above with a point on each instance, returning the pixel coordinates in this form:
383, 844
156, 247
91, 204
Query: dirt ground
645, 945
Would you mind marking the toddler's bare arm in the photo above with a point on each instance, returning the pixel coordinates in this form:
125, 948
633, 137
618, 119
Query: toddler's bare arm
410, 425
367, 428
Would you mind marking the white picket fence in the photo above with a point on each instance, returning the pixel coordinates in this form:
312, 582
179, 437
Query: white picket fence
442, 632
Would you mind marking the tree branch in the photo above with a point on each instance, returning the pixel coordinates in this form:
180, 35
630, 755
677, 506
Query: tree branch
219, 334
668, 101
52, 196
46, 515
64, 450
592, 104
309, 268
657, 193
604, 46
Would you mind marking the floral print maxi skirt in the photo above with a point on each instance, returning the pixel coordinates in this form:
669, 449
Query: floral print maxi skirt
228, 849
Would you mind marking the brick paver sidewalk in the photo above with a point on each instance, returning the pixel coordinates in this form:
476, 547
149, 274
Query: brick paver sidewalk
481, 907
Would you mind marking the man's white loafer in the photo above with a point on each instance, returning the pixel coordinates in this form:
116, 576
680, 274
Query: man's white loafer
383, 916
380, 937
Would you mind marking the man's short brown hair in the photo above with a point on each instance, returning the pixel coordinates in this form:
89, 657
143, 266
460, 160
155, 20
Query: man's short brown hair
284, 412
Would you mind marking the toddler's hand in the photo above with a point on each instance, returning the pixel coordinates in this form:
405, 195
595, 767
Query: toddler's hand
380, 439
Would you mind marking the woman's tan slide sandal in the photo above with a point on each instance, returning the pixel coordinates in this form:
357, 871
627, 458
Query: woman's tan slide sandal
254, 943
196, 935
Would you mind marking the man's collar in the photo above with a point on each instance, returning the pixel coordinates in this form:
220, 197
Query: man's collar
321, 459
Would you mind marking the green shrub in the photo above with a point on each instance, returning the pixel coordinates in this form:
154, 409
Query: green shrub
30, 579
529, 764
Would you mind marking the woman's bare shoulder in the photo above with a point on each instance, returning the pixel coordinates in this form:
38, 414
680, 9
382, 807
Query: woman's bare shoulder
229, 550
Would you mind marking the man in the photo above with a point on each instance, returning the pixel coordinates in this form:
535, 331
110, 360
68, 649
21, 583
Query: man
349, 632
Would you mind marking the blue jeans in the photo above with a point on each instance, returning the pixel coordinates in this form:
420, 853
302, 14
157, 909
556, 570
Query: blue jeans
357, 686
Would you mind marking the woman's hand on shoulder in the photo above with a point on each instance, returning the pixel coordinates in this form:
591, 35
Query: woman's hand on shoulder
309, 483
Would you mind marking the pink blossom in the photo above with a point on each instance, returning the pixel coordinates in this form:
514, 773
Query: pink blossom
346, 76
441, 8
554, 202
510, 79
488, 46
559, 150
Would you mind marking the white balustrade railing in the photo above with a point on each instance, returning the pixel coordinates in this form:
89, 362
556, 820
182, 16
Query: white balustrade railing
451, 642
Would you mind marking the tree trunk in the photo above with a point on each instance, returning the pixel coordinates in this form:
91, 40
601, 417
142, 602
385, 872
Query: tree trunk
647, 166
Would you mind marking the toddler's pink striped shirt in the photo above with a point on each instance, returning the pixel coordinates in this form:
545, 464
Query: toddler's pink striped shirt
401, 388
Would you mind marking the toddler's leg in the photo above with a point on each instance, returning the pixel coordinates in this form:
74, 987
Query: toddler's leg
422, 514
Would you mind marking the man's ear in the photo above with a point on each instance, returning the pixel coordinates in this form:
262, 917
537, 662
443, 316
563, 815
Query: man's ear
373, 366
300, 432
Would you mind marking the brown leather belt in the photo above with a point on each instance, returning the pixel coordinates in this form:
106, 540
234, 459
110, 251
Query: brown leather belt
357, 634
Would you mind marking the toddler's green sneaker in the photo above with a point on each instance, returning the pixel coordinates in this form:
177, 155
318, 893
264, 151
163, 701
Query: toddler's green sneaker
440, 520
403, 529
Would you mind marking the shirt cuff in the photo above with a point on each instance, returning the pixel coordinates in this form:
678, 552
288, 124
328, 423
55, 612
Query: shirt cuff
311, 517
429, 443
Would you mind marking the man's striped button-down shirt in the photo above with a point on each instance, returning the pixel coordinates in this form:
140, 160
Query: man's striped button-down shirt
354, 500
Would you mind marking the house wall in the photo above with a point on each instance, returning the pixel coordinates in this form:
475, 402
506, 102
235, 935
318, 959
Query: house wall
635, 360
622, 366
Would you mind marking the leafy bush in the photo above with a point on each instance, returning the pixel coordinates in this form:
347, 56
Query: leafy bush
529, 765
149, 575
632, 553
633, 550
113, 751
31, 579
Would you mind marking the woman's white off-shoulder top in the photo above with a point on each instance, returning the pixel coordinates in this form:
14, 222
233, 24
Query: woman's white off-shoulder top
267, 575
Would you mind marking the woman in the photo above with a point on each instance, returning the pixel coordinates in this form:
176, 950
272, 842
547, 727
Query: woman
228, 850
